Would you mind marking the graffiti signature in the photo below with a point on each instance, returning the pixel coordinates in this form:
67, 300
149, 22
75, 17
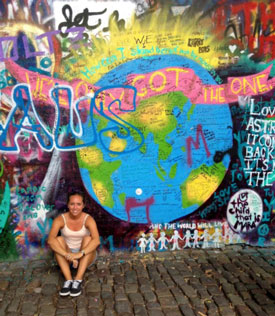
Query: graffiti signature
81, 19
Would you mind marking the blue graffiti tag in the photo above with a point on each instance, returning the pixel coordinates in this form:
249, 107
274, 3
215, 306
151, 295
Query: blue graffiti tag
49, 140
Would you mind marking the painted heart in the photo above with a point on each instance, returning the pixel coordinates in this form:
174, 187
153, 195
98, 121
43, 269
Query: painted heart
232, 48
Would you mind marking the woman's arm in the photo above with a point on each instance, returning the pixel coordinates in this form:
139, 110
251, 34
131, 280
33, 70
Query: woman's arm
58, 223
95, 241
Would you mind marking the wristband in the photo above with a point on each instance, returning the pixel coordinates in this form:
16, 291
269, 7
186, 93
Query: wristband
83, 252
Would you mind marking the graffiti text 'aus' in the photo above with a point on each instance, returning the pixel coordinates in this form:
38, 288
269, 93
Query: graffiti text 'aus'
48, 140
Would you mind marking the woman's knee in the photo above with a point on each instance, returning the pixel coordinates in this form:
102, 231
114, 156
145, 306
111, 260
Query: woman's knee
62, 242
85, 241
92, 257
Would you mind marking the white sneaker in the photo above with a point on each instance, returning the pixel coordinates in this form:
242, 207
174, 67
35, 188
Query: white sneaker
76, 288
66, 289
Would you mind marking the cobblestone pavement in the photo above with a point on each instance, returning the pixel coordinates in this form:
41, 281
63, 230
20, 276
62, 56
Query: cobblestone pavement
236, 280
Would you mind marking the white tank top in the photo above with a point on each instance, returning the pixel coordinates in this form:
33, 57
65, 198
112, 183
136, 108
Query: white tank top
74, 238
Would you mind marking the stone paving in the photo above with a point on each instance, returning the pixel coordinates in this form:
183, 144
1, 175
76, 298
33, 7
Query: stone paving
236, 280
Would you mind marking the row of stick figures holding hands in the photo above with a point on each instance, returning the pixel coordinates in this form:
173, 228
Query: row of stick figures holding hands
143, 242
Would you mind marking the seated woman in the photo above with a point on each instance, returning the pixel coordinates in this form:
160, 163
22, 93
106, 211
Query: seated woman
77, 244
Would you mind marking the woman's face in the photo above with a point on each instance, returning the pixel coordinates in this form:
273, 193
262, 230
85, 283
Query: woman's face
75, 204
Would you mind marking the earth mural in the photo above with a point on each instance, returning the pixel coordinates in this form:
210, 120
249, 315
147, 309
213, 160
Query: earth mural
160, 166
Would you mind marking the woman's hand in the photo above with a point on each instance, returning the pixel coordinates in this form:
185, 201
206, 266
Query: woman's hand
73, 256
77, 255
69, 256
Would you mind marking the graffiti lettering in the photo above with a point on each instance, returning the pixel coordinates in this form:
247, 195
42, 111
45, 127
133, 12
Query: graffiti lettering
81, 19
244, 211
35, 206
47, 140
29, 198
15, 55
48, 35
24, 122
183, 80
104, 62
29, 189
204, 49
259, 146
224, 195
143, 40
28, 53
109, 240
194, 42
132, 203
114, 20
30, 216
196, 144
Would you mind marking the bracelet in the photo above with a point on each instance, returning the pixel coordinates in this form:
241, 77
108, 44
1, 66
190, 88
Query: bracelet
83, 252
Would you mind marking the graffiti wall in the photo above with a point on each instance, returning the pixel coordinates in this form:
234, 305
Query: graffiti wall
162, 112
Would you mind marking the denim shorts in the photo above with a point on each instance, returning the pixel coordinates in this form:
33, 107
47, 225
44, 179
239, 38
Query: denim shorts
74, 250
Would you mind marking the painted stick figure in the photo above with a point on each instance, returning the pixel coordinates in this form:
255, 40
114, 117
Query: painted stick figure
162, 240
230, 236
187, 238
206, 237
228, 233
216, 237
152, 241
175, 239
196, 239
142, 243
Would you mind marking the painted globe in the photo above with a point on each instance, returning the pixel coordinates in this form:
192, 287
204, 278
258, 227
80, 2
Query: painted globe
162, 160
